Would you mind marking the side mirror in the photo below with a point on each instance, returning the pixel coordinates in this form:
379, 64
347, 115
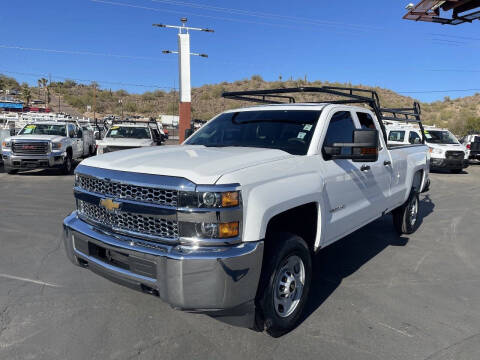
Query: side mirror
79, 134
97, 135
364, 147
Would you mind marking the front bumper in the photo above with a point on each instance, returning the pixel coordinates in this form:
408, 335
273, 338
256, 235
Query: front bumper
219, 280
447, 164
25, 162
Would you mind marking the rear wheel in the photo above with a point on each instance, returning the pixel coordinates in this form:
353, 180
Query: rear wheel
405, 217
284, 284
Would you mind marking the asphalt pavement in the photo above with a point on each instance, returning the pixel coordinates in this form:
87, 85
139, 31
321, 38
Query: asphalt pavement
375, 295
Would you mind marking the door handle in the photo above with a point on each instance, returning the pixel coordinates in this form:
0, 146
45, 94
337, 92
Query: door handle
387, 163
365, 168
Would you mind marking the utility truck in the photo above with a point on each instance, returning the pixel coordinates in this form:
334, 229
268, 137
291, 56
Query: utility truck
123, 135
227, 222
45, 144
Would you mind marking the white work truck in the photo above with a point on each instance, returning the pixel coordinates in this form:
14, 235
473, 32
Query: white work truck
125, 135
227, 222
446, 152
44, 144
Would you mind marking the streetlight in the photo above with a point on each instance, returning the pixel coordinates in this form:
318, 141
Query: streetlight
184, 71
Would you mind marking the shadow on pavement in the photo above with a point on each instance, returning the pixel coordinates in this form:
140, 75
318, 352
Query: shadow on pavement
343, 258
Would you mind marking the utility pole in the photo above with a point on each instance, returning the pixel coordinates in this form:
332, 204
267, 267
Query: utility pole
94, 100
185, 108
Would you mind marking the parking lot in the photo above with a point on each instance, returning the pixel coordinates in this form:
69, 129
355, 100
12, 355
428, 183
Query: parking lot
374, 295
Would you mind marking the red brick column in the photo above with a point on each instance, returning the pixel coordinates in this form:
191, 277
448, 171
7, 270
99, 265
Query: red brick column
185, 119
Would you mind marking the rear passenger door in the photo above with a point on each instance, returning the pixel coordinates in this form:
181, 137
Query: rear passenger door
345, 194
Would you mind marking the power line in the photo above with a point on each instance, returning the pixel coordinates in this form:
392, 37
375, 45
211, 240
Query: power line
209, 16
262, 14
76, 52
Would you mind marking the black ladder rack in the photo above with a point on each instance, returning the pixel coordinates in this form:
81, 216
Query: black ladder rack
350, 96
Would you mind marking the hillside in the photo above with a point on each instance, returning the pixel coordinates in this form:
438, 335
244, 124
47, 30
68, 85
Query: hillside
460, 115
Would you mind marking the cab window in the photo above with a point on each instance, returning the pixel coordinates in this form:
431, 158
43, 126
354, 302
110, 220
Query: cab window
340, 130
396, 135
414, 138
71, 131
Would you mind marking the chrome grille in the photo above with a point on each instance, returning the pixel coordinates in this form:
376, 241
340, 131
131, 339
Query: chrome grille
129, 192
30, 148
136, 223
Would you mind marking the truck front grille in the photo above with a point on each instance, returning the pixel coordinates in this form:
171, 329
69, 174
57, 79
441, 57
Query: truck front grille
108, 149
136, 223
128, 191
30, 148
454, 154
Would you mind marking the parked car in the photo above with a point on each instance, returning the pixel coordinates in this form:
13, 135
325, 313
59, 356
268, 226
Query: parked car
472, 143
446, 152
130, 134
227, 222
47, 144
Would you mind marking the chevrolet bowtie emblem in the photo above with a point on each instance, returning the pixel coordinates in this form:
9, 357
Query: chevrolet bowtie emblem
109, 204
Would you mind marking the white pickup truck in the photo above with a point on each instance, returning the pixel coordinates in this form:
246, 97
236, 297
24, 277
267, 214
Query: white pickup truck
44, 144
125, 135
227, 222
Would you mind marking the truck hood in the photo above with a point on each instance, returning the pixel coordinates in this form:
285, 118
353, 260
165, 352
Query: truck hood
200, 164
124, 142
36, 137
448, 147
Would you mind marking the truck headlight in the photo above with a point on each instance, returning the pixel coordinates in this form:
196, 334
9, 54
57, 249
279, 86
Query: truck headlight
209, 199
436, 151
6, 144
56, 146
208, 230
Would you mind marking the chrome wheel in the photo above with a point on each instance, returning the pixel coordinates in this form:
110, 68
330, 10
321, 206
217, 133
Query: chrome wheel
413, 211
289, 282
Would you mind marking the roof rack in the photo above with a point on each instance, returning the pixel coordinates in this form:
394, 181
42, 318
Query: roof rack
350, 96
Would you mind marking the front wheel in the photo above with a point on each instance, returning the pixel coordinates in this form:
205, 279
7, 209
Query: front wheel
12, 171
285, 283
405, 217
67, 165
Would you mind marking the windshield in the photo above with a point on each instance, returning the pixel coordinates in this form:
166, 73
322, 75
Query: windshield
129, 132
287, 130
440, 137
44, 129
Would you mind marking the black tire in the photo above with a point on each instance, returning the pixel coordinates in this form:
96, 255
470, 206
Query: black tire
456, 171
285, 250
67, 165
405, 218
12, 171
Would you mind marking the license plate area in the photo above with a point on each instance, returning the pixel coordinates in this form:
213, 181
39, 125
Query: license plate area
110, 257
116, 258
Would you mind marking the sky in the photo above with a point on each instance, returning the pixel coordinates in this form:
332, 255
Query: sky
113, 43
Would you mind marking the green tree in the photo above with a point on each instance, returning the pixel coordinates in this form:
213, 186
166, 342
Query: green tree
26, 94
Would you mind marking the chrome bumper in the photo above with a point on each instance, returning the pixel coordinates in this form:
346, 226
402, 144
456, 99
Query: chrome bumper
202, 279
20, 161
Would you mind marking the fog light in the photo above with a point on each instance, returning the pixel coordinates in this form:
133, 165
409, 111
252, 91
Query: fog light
228, 230
207, 230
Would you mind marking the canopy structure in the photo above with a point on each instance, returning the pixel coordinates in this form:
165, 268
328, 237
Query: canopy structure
450, 12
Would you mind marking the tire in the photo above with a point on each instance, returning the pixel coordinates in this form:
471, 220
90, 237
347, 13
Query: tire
12, 171
67, 165
280, 301
456, 171
405, 218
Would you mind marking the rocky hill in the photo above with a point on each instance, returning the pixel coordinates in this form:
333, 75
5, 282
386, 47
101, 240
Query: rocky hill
461, 115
